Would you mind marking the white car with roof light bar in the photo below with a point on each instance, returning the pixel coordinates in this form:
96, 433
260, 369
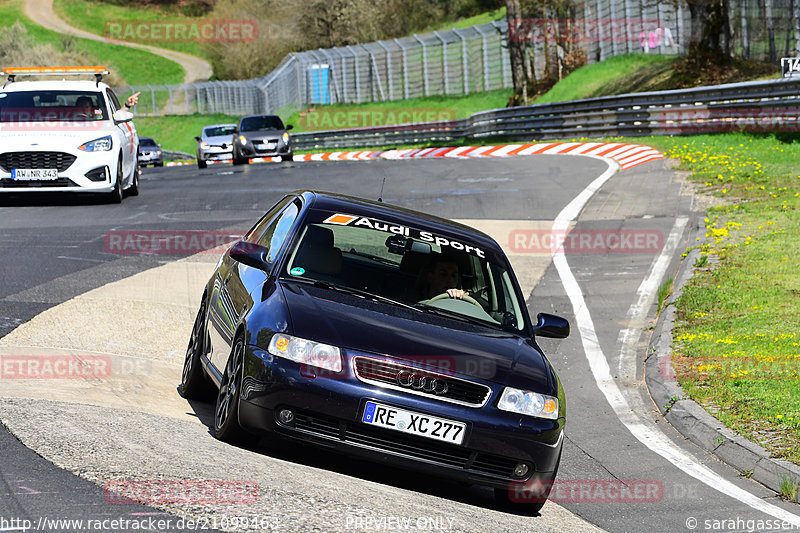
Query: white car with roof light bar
66, 135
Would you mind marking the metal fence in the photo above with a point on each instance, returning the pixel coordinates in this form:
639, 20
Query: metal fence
475, 59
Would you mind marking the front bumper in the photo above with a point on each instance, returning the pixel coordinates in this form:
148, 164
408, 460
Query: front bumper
150, 158
93, 172
328, 411
271, 148
215, 153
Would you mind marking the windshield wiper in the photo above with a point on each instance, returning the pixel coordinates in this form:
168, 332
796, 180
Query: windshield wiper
458, 316
355, 292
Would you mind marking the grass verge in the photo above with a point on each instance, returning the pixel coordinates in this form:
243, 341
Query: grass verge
94, 17
338, 116
736, 340
135, 66
615, 75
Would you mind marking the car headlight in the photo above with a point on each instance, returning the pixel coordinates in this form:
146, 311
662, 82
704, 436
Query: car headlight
306, 352
285, 138
528, 403
204, 145
242, 139
103, 144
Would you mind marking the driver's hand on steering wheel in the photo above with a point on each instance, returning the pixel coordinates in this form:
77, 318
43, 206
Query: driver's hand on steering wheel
458, 294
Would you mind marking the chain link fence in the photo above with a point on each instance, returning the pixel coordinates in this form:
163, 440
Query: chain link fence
475, 59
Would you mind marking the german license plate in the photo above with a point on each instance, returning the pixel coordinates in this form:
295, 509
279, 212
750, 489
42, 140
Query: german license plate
42, 174
412, 423
267, 146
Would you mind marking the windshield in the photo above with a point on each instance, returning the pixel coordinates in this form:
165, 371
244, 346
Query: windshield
144, 141
216, 131
411, 266
51, 106
265, 122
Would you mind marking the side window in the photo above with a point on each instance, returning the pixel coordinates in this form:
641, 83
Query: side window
280, 231
257, 231
115, 105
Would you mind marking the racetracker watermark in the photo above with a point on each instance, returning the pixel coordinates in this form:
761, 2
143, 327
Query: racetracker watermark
326, 119
51, 119
159, 492
584, 241
588, 491
182, 31
589, 30
83, 366
166, 242
726, 119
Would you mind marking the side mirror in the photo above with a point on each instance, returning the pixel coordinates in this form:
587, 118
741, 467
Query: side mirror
551, 326
250, 254
123, 116
159, 145
197, 139
289, 127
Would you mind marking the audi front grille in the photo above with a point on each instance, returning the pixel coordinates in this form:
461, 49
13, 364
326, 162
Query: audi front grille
58, 160
422, 382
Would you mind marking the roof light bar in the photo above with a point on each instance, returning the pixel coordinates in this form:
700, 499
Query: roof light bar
13, 72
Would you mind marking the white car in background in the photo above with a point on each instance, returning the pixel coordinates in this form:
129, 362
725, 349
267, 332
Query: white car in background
215, 144
66, 135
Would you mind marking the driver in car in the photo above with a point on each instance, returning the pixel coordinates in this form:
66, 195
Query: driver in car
85, 107
442, 276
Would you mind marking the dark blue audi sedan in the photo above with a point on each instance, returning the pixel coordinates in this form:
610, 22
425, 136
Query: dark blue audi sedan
386, 334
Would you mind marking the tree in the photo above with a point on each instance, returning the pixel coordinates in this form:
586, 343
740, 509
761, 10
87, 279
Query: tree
710, 37
542, 45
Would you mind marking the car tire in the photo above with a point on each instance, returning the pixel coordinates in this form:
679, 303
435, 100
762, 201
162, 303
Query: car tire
201, 163
133, 190
287, 157
226, 410
194, 383
236, 159
115, 196
159, 164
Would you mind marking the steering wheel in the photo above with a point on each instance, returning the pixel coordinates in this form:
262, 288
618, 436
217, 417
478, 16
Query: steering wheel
466, 298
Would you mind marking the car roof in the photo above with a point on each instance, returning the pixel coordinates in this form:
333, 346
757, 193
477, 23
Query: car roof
55, 85
146, 139
395, 214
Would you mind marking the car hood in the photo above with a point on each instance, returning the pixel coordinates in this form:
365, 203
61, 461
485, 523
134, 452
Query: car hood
38, 138
361, 325
219, 139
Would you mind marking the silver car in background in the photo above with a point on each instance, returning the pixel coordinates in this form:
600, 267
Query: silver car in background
215, 143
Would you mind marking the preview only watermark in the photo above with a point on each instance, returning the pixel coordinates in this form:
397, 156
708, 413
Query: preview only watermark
182, 31
155, 492
583, 241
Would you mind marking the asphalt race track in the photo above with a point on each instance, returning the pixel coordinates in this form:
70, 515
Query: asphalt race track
65, 291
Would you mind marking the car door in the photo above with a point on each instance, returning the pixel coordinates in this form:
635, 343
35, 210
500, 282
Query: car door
234, 283
127, 135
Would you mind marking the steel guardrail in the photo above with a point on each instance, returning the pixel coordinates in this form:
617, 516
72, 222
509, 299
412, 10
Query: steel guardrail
772, 105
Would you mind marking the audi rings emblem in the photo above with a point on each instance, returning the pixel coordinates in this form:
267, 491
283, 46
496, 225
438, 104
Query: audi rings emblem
429, 384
